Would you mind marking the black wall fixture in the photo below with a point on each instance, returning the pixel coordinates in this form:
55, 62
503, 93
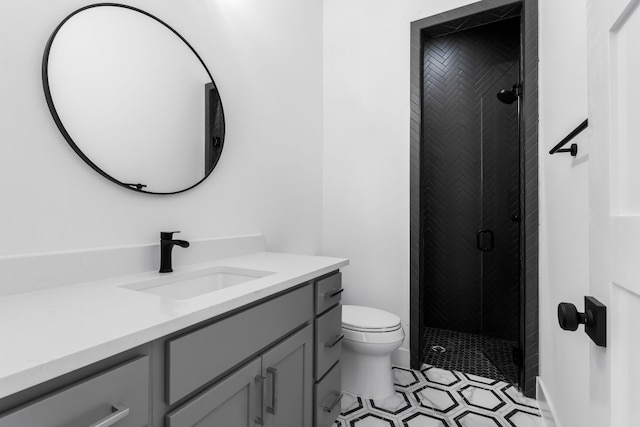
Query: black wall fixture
573, 149
594, 319
157, 142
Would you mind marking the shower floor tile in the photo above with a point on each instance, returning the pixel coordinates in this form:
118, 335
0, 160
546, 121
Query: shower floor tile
434, 397
464, 353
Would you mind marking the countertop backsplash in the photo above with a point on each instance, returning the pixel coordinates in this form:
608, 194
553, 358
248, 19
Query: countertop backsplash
38, 271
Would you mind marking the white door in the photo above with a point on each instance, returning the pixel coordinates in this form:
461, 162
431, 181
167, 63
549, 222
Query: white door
614, 192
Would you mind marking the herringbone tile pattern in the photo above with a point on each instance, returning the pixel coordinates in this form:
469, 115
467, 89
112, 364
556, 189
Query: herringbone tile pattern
459, 70
500, 211
431, 27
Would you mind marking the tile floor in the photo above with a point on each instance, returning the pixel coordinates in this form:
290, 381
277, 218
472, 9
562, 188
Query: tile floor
472, 353
434, 397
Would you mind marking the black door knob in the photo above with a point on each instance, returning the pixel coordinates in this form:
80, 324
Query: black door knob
569, 317
594, 319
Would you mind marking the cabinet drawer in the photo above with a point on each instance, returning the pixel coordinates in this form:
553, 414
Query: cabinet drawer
121, 393
328, 395
198, 357
328, 292
328, 340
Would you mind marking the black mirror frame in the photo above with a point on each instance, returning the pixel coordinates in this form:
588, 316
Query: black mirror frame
56, 118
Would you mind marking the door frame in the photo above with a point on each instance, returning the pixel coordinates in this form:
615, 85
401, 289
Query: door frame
465, 17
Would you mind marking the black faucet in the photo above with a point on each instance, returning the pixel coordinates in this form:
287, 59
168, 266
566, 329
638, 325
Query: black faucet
166, 245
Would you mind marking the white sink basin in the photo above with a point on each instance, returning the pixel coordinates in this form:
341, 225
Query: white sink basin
196, 283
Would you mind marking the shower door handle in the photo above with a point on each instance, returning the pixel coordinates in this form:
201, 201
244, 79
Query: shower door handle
482, 242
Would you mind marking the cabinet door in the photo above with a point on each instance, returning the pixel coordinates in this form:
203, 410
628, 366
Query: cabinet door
119, 395
288, 372
230, 403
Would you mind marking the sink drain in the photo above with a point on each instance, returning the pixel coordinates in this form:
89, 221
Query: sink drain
438, 349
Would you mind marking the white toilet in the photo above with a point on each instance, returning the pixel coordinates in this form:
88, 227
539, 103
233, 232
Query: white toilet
370, 336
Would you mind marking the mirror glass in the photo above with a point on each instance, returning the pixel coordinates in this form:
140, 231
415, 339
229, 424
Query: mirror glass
133, 99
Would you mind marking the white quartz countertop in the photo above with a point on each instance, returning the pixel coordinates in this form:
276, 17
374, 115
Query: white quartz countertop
48, 333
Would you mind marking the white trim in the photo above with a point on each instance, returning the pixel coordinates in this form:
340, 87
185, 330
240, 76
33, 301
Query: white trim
546, 407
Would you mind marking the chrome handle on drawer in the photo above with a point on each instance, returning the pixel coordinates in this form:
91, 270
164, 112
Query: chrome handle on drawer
119, 412
261, 380
334, 293
274, 390
334, 403
335, 341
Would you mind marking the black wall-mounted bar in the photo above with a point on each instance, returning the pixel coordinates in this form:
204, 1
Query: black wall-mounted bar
574, 147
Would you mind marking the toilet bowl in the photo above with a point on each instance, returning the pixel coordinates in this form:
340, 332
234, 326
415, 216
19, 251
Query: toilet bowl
370, 336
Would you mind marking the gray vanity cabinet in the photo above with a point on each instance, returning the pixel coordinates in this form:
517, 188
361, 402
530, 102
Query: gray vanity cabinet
118, 396
274, 390
230, 403
328, 343
288, 371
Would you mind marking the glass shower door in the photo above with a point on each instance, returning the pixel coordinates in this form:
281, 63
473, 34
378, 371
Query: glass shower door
499, 236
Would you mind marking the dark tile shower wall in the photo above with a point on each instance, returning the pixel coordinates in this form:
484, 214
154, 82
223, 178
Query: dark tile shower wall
500, 301
465, 17
459, 69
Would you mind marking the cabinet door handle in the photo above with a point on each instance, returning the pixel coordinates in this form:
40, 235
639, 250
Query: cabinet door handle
274, 390
334, 293
334, 403
335, 341
119, 412
261, 380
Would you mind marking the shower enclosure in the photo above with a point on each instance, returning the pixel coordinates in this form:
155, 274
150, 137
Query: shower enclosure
471, 200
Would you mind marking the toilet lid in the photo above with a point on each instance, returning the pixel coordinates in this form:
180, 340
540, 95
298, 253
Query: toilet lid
358, 318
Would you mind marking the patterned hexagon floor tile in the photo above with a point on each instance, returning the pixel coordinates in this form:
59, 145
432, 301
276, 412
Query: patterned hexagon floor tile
393, 405
476, 419
440, 376
405, 378
481, 397
371, 420
515, 397
350, 404
419, 419
520, 418
434, 397
481, 380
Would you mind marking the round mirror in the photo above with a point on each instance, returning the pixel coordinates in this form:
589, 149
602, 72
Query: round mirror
133, 99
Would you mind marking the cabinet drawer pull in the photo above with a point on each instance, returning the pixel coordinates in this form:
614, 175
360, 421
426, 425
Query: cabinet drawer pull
274, 390
119, 412
334, 403
335, 341
334, 293
261, 381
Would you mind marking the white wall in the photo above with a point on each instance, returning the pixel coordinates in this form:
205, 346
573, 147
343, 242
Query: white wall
564, 206
266, 58
366, 145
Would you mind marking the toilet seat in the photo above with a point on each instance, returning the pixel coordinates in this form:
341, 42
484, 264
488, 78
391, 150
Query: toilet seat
368, 320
